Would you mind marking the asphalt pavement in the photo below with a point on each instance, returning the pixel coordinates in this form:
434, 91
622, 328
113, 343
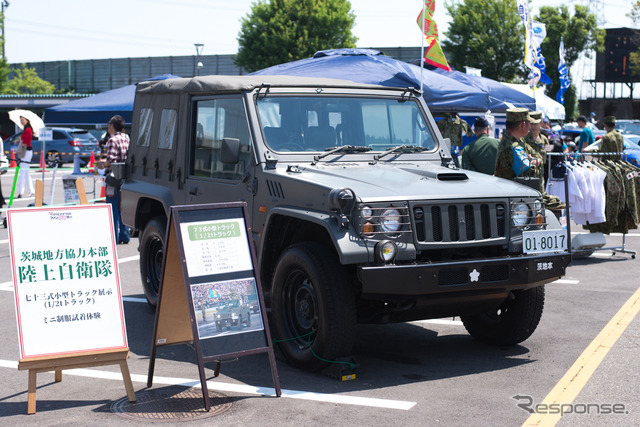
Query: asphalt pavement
581, 362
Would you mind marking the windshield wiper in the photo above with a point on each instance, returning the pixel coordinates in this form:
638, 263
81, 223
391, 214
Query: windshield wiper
402, 148
342, 149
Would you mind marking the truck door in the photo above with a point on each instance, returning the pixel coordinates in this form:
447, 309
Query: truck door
209, 180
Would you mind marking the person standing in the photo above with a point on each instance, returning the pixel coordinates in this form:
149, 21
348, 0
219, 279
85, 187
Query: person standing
512, 146
116, 147
24, 179
612, 142
586, 136
480, 154
537, 141
452, 126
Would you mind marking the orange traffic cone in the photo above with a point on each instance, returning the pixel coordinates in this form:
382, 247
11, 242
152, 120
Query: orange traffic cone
42, 161
12, 159
103, 191
92, 159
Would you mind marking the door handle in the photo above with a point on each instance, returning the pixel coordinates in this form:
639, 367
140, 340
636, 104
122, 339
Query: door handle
193, 190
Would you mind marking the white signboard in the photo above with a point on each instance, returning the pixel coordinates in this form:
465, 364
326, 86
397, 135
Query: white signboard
66, 280
215, 247
46, 134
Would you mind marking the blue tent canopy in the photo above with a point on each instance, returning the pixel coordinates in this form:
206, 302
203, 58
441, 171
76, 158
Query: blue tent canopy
96, 109
501, 96
370, 66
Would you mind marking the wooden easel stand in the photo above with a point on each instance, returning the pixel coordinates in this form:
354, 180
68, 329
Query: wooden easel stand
36, 365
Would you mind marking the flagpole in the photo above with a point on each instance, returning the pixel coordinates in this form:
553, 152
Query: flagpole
422, 48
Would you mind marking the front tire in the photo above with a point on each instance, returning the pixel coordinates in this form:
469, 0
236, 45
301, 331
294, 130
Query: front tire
151, 254
511, 323
53, 159
313, 307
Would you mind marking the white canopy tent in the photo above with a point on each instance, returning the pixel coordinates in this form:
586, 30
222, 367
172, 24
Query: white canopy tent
550, 108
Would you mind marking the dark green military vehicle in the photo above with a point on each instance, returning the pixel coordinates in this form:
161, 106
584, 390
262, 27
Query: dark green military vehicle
232, 313
357, 213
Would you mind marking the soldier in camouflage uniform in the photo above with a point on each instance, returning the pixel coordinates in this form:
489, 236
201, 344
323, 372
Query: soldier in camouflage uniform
513, 137
612, 141
536, 141
517, 129
452, 126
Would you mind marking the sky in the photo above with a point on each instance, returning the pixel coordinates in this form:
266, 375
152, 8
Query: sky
53, 30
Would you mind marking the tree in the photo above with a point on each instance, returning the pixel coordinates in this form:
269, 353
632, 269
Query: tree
4, 66
26, 81
487, 35
278, 31
581, 35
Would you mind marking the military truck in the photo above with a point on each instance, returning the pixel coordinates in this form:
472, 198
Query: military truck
357, 212
232, 313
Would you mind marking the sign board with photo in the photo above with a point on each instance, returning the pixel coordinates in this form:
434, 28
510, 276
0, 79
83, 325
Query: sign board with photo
210, 293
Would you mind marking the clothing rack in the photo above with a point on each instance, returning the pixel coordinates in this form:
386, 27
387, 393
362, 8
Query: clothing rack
566, 156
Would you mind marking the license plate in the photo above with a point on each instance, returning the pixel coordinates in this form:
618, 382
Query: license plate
535, 242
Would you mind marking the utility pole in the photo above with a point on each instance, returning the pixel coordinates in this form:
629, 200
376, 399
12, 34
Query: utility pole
199, 47
5, 4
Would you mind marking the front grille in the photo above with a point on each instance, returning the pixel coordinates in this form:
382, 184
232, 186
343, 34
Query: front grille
460, 223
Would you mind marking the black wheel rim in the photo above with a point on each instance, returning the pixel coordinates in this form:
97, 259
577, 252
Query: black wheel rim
300, 306
154, 263
52, 159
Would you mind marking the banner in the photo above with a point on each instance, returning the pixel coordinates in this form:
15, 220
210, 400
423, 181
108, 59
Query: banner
529, 48
564, 75
434, 54
539, 32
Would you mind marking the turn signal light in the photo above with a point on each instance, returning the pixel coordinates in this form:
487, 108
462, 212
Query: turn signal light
539, 219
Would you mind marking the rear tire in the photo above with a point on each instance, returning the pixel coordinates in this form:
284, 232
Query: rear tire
313, 307
152, 245
511, 323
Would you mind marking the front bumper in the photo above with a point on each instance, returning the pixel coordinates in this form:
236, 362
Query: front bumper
480, 275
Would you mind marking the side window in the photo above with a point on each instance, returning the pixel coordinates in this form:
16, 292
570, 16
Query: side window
216, 119
58, 135
145, 121
168, 125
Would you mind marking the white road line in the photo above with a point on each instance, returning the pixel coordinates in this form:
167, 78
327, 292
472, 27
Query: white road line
441, 322
566, 282
4, 241
238, 388
128, 259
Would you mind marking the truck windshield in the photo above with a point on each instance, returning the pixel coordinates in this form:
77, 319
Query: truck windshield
319, 123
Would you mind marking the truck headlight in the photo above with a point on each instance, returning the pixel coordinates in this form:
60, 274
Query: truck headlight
520, 214
390, 221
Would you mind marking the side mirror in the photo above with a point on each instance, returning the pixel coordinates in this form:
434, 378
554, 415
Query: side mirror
447, 144
230, 151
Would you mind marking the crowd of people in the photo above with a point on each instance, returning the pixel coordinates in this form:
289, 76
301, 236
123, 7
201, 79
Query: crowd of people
521, 153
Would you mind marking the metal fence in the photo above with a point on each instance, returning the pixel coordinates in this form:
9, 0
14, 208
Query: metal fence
99, 75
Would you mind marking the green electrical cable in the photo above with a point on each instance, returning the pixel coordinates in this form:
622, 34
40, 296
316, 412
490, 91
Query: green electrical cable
351, 365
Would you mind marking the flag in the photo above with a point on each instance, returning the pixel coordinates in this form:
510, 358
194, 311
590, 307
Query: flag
538, 33
434, 54
425, 17
529, 49
564, 75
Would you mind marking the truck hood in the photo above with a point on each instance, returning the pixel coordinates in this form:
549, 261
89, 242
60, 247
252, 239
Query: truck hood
405, 181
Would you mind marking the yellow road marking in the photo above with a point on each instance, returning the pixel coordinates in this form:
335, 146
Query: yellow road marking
568, 388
